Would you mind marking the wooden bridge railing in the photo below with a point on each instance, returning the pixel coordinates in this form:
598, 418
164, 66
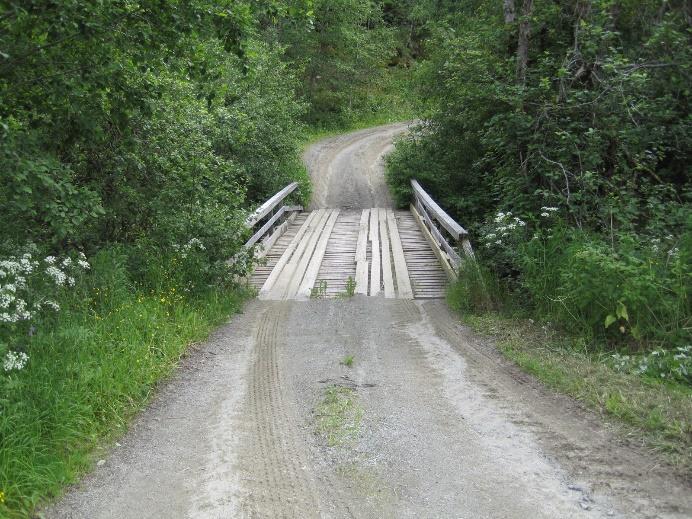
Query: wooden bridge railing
438, 223
274, 216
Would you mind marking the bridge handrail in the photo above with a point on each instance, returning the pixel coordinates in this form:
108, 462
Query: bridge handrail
270, 204
435, 211
269, 208
433, 217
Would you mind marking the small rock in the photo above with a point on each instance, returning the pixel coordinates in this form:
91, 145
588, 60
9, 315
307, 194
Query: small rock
610, 513
576, 488
100, 463
585, 506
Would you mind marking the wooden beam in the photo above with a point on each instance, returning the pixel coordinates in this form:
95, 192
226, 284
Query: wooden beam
387, 277
442, 257
403, 282
296, 276
262, 230
446, 221
270, 204
286, 256
313, 269
452, 255
375, 248
362, 244
362, 277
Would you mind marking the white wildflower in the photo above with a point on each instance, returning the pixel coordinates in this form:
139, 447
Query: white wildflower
52, 304
195, 242
66, 262
15, 360
20, 281
498, 242
545, 214
84, 264
70, 281
57, 275
49, 259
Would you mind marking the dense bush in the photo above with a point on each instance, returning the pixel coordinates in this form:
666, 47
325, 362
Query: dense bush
593, 121
121, 121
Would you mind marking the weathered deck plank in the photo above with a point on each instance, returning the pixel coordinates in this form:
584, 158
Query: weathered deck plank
403, 283
376, 257
356, 245
313, 268
387, 276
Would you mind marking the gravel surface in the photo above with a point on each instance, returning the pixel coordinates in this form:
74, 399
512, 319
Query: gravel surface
447, 428
347, 171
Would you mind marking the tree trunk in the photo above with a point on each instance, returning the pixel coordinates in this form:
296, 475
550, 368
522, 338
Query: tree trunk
523, 41
508, 9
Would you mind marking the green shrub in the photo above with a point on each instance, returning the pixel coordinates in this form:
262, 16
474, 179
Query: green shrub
476, 290
630, 291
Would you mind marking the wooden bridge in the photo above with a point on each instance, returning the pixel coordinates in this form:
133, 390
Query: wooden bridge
374, 252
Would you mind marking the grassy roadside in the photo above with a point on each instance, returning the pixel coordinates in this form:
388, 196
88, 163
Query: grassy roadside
659, 414
89, 374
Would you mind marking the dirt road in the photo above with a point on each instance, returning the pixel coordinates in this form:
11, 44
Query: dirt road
347, 171
367, 408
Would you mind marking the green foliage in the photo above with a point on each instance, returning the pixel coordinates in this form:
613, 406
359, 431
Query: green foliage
121, 121
339, 415
599, 128
627, 291
90, 371
350, 286
476, 289
669, 364
353, 56
320, 290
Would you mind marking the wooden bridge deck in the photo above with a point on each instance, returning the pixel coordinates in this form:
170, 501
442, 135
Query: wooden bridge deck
321, 250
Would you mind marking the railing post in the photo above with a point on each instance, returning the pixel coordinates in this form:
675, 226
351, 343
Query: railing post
466, 246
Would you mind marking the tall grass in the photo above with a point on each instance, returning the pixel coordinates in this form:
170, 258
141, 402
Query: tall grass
91, 369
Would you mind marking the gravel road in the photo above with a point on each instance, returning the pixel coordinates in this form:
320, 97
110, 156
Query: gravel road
433, 423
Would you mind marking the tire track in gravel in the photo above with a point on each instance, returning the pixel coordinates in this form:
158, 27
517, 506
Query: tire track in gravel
274, 457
